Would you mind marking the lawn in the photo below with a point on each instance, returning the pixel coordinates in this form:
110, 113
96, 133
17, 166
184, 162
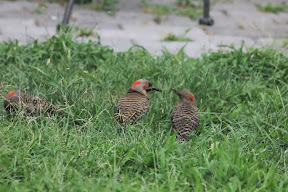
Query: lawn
241, 143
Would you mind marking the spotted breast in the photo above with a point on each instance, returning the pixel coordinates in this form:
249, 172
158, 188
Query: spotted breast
131, 107
135, 103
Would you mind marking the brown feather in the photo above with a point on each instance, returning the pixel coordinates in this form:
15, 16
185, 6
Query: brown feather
185, 117
135, 103
30, 104
131, 107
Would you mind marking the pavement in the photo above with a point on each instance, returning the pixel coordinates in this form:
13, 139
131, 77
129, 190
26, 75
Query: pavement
236, 21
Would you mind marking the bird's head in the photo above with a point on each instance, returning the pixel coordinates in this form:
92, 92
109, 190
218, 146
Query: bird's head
10, 95
143, 86
185, 95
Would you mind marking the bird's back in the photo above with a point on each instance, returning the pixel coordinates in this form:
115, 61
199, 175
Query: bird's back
131, 107
185, 119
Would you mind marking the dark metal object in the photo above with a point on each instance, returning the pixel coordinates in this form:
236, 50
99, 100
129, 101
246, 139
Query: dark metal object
206, 19
67, 14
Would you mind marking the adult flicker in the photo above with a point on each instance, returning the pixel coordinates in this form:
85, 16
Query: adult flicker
30, 104
135, 103
185, 117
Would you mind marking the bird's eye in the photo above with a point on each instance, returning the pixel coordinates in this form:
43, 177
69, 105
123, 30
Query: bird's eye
150, 85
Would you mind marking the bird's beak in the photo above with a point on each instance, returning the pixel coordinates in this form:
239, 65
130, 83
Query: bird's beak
156, 89
177, 92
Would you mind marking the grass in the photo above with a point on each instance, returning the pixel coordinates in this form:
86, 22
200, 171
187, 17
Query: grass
189, 9
40, 7
272, 8
285, 43
158, 9
172, 37
79, 31
190, 12
103, 5
85, 32
241, 143
108, 6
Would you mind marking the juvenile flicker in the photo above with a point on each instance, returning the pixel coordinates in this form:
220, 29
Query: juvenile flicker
30, 104
135, 103
185, 115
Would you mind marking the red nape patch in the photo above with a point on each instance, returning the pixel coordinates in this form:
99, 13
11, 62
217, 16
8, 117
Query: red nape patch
11, 93
136, 83
191, 98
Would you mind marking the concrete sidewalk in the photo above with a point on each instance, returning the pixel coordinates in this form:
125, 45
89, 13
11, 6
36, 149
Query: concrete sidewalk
235, 21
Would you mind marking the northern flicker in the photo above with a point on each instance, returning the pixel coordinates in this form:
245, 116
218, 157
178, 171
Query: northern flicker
135, 103
185, 117
30, 104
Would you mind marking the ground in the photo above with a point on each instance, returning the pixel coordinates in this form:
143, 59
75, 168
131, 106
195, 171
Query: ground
235, 22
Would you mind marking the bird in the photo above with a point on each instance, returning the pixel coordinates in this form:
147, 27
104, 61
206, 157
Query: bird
185, 117
30, 104
135, 103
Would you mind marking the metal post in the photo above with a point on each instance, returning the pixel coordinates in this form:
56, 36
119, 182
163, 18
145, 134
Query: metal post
67, 14
206, 19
